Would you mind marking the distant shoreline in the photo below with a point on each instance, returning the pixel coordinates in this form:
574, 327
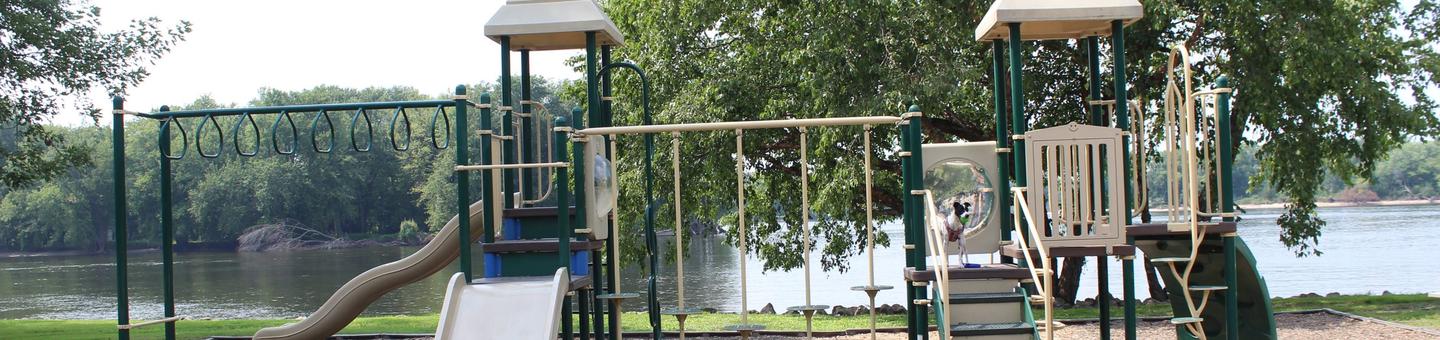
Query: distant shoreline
1337, 204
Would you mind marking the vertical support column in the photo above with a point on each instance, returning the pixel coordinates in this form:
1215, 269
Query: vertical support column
912, 236
604, 282
507, 125
530, 177
915, 181
117, 152
1227, 206
462, 179
167, 228
1097, 112
1102, 269
1002, 142
1122, 118
562, 200
1018, 122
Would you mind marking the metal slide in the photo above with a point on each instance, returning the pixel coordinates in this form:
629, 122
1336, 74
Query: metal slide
496, 310
364, 289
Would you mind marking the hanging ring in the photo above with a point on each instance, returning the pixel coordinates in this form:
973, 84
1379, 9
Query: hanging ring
275, 134
369, 131
314, 128
200, 132
400, 115
255, 129
184, 139
435, 118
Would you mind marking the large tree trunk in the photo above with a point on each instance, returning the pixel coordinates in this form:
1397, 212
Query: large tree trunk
1068, 283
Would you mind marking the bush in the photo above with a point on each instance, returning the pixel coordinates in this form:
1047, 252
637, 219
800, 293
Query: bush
409, 230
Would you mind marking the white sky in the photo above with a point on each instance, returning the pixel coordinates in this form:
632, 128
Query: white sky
237, 47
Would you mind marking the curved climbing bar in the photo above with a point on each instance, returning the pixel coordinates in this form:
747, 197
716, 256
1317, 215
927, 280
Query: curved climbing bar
164, 141
369, 131
399, 116
254, 129
200, 133
275, 134
314, 129
435, 119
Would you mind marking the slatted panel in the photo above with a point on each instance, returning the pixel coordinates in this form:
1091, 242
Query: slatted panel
1075, 183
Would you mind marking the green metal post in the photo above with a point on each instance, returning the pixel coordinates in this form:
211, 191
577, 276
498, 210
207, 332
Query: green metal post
1227, 196
1122, 118
1097, 112
167, 229
122, 291
507, 126
487, 181
916, 182
1102, 270
1018, 122
603, 279
566, 231
562, 200
912, 330
1002, 142
527, 129
462, 180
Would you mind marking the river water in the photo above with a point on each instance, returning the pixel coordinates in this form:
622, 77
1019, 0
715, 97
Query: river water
1366, 250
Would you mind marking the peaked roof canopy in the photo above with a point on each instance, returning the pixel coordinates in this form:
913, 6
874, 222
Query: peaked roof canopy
1056, 19
541, 25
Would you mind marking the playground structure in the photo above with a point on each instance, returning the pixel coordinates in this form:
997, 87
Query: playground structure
1031, 196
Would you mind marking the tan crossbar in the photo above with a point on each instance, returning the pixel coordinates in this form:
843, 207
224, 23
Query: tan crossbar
151, 322
512, 166
748, 125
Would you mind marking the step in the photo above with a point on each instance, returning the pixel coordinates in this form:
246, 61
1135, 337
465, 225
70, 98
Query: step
549, 245
1186, 320
980, 329
1204, 288
1170, 260
986, 308
976, 298
989, 271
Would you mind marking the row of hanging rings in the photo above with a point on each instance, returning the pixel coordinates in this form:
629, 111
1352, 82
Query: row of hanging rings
400, 133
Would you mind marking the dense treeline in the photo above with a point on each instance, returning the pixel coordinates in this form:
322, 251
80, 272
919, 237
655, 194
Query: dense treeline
341, 193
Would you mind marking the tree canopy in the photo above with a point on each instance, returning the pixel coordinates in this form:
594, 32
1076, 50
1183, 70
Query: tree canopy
52, 54
1322, 86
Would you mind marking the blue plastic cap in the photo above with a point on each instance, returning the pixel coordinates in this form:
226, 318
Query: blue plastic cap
1223, 81
164, 108
484, 98
117, 102
914, 108
460, 90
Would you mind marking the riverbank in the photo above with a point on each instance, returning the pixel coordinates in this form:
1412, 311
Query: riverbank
1416, 310
1339, 204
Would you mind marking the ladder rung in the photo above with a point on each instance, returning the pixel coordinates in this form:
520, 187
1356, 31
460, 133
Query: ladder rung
1169, 259
1207, 288
1037, 300
1185, 320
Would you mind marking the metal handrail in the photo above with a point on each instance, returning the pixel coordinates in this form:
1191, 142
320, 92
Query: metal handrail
1043, 287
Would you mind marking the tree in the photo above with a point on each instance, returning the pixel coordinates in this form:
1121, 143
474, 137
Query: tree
52, 53
746, 60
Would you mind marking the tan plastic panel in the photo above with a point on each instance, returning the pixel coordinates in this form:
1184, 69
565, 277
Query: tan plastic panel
986, 238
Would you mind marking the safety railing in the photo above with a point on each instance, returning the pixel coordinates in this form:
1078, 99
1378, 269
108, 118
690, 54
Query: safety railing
1074, 178
1043, 277
935, 238
1195, 132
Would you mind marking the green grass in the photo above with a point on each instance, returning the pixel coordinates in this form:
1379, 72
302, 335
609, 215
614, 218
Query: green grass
1415, 310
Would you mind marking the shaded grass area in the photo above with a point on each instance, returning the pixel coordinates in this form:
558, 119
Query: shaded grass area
1416, 310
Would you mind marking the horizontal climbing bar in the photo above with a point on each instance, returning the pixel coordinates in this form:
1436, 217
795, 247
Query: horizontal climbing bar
758, 124
151, 322
512, 166
299, 108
